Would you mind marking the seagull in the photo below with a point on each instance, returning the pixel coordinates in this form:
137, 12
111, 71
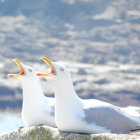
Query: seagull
73, 114
37, 109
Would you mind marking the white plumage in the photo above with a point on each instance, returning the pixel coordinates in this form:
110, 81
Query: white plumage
73, 114
37, 109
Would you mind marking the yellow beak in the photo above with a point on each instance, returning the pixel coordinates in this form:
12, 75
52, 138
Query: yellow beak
22, 71
53, 70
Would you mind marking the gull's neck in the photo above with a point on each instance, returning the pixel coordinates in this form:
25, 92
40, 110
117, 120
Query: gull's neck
65, 95
31, 89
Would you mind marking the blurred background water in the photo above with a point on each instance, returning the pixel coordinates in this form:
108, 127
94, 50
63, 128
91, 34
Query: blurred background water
98, 40
9, 121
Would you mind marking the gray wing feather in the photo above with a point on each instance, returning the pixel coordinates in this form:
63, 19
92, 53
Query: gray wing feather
110, 118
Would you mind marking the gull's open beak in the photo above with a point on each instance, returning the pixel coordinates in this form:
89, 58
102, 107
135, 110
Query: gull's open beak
22, 71
53, 70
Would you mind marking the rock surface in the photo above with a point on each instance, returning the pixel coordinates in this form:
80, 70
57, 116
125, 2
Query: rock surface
48, 133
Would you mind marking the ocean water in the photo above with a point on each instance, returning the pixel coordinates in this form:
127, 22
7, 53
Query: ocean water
9, 121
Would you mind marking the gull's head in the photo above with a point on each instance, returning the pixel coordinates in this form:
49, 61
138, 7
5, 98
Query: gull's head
24, 71
58, 73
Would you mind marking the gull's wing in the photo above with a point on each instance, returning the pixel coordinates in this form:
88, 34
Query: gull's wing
111, 118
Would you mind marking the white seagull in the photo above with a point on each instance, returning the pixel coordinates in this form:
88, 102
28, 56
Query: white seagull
37, 109
73, 114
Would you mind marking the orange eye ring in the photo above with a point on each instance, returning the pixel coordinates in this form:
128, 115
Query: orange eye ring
61, 69
30, 70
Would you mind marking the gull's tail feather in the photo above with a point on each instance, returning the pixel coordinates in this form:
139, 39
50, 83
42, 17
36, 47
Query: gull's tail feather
135, 130
132, 110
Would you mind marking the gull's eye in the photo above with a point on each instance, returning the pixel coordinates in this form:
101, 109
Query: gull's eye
30, 70
61, 69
